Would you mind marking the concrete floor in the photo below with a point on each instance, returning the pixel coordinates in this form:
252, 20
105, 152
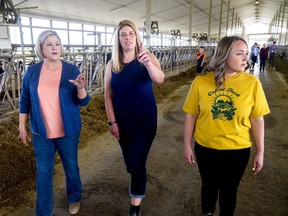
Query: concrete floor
173, 187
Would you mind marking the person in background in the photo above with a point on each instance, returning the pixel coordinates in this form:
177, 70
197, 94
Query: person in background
51, 94
263, 56
254, 55
272, 54
130, 104
223, 105
1, 69
200, 57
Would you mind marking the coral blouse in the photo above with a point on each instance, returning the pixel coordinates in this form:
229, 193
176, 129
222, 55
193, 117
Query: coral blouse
48, 91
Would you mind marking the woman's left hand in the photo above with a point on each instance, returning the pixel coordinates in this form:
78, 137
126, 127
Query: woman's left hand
143, 57
258, 163
80, 81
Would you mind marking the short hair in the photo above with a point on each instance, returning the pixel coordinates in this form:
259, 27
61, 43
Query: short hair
41, 39
117, 53
219, 59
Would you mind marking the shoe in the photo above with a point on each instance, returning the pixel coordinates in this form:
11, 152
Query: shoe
206, 214
74, 208
134, 210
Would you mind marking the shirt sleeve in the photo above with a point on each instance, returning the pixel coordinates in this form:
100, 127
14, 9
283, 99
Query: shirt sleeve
25, 102
260, 107
191, 104
204, 57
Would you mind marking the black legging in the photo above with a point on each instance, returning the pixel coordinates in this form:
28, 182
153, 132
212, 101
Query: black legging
220, 170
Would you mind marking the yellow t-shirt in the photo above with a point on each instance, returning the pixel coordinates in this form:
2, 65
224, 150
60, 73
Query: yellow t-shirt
224, 114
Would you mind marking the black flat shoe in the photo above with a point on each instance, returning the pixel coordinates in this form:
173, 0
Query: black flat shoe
134, 210
206, 214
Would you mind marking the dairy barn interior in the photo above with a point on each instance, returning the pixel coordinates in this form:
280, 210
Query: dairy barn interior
173, 30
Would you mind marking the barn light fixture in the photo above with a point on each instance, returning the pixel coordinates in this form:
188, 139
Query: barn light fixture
117, 9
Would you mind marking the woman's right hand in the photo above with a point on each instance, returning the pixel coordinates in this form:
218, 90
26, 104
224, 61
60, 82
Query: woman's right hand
23, 136
189, 155
114, 130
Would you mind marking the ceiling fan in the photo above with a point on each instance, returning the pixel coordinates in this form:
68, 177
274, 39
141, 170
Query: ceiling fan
9, 12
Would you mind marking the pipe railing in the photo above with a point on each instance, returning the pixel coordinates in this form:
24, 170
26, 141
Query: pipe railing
90, 61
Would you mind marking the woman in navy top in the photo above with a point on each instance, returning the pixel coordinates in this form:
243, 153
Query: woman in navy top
130, 104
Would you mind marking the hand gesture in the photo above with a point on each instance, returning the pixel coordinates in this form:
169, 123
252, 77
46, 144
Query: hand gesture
143, 56
80, 81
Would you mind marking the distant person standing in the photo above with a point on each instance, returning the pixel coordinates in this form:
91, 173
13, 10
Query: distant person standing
272, 54
254, 55
201, 57
263, 56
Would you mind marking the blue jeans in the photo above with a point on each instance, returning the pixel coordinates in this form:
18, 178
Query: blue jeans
45, 150
221, 172
135, 149
272, 59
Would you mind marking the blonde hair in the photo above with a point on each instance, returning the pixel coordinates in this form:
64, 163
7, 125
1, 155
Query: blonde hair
117, 53
41, 39
219, 60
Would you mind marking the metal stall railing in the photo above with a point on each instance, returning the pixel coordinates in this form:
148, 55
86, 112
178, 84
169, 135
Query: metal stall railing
91, 61
282, 51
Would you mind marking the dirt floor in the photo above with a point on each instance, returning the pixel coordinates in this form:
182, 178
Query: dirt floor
173, 187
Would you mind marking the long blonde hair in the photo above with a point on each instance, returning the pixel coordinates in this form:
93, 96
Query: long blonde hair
219, 60
117, 53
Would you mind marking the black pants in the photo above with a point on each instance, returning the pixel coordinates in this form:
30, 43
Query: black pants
135, 149
199, 69
221, 171
262, 63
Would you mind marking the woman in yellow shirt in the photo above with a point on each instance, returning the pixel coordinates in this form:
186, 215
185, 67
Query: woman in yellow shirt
223, 105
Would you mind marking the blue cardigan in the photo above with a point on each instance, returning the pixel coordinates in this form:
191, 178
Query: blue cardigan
68, 94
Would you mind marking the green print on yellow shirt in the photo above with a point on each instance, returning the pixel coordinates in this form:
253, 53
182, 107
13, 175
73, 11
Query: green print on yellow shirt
223, 106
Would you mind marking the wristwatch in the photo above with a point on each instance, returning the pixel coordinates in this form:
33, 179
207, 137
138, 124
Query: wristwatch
110, 123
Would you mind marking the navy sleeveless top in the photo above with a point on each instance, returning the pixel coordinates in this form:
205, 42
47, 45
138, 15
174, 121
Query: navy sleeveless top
133, 98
